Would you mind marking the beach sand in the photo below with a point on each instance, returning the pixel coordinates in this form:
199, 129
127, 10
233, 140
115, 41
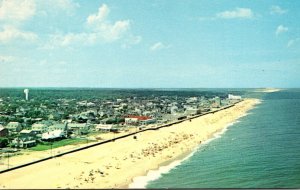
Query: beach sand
115, 164
27, 155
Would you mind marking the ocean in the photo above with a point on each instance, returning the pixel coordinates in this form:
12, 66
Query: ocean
260, 150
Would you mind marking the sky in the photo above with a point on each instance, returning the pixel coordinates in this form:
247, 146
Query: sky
150, 44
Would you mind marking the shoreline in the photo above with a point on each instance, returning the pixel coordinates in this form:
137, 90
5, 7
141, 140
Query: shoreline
142, 181
108, 162
40, 156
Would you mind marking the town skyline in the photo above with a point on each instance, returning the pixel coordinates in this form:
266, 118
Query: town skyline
157, 44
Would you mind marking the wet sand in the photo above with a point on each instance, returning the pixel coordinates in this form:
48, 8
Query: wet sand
115, 164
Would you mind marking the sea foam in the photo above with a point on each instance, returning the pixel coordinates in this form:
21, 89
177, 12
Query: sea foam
142, 181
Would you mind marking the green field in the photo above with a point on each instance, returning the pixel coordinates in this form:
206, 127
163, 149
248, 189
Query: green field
56, 144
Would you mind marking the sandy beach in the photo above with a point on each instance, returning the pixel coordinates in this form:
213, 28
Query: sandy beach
115, 164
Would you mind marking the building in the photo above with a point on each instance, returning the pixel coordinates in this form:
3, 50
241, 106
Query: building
23, 143
216, 102
192, 99
57, 127
174, 109
192, 111
26, 139
14, 127
39, 127
27, 133
233, 97
135, 120
104, 127
148, 121
131, 121
78, 128
55, 134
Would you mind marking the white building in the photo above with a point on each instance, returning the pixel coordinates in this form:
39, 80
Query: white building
233, 97
148, 121
192, 111
57, 127
39, 127
78, 128
174, 109
14, 126
129, 121
192, 99
104, 127
53, 134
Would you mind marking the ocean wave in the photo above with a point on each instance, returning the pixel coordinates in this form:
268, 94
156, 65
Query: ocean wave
219, 134
142, 181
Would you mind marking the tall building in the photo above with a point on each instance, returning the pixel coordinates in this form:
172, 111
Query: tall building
233, 97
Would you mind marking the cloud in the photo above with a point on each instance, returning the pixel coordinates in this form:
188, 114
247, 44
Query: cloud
55, 6
65, 40
103, 11
109, 31
277, 10
281, 29
6, 59
17, 10
159, 46
131, 40
12, 14
45, 62
65, 4
10, 33
243, 13
99, 30
292, 42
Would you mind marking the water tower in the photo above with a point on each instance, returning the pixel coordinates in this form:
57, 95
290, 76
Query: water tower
26, 91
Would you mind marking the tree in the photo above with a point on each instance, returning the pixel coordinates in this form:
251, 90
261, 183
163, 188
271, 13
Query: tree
3, 142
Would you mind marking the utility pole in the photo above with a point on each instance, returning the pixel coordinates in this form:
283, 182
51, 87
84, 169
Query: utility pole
7, 160
51, 147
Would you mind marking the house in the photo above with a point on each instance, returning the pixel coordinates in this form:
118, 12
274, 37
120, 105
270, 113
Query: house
192, 111
14, 127
216, 102
174, 109
3, 131
26, 139
23, 142
131, 121
78, 128
39, 127
148, 121
90, 104
57, 127
55, 134
191, 100
104, 127
27, 133
135, 120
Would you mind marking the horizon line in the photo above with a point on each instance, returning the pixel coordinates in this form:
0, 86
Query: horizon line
152, 87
